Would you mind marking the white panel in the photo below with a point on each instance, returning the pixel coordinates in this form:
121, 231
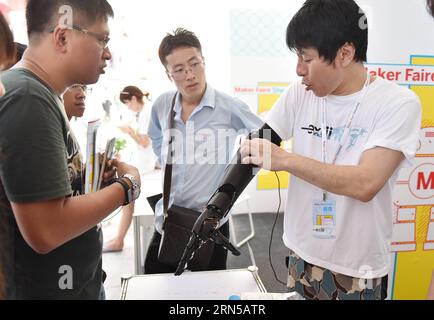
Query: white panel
403, 232
405, 214
403, 247
429, 246
431, 231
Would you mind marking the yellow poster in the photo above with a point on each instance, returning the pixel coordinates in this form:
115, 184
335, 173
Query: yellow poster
415, 263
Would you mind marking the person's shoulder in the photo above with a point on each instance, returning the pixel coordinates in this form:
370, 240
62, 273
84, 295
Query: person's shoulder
20, 83
227, 101
168, 95
16, 81
20, 78
164, 99
390, 98
391, 91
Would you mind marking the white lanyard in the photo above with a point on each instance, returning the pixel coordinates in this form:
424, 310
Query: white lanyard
347, 128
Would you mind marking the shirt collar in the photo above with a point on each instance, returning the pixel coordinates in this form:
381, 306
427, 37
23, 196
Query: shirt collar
208, 100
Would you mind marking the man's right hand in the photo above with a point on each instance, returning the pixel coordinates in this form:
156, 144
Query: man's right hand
124, 168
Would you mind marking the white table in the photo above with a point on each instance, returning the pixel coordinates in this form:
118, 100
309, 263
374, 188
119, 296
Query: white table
205, 285
143, 218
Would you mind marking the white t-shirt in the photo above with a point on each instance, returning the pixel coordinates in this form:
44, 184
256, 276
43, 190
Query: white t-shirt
144, 158
389, 116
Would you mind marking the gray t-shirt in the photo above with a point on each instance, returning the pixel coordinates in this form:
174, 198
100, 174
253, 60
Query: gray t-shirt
40, 160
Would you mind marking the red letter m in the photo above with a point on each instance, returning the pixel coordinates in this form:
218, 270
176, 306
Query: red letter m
423, 184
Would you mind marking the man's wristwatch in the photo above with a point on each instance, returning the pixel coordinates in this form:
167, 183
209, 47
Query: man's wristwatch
131, 193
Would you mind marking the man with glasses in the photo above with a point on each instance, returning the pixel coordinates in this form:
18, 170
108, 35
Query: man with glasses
101, 38
74, 100
56, 238
206, 124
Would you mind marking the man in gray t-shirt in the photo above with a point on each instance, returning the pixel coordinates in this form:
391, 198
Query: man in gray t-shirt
33, 171
54, 247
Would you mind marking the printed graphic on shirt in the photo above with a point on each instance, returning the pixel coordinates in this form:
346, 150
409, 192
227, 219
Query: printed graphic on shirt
75, 167
336, 134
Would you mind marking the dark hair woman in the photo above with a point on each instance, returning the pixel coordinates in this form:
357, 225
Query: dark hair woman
7, 57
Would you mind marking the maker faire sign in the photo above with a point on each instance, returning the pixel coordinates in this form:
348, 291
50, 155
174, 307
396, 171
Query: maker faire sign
411, 75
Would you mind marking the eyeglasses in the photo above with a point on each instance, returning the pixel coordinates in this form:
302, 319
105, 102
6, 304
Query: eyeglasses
180, 73
103, 39
85, 89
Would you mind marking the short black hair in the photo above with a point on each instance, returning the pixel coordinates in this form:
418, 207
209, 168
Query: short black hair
180, 38
41, 15
327, 25
20, 48
7, 47
430, 5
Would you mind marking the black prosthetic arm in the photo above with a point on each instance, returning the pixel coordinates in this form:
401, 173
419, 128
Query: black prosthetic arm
237, 177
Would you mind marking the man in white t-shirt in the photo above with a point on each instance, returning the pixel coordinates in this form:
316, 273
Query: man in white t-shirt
351, 135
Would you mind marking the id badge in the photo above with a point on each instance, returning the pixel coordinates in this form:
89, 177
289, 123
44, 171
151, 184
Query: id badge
324, 219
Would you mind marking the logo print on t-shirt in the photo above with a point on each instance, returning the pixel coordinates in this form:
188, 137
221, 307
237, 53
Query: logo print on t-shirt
74, 165
336, 134
316, 132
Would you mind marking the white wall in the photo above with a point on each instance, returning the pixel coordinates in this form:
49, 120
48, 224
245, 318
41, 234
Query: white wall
398, 29
147, 23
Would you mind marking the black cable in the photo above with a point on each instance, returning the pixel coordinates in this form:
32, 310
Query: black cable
272, 232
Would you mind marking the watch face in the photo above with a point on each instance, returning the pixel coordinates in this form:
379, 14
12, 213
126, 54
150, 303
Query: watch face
136, 192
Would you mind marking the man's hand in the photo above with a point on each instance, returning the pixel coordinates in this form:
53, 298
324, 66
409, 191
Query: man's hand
362, 181
264, 154
110, 172
123, 168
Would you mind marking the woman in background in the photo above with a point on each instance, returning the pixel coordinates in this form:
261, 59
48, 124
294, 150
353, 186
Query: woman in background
134, 99
7, 57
